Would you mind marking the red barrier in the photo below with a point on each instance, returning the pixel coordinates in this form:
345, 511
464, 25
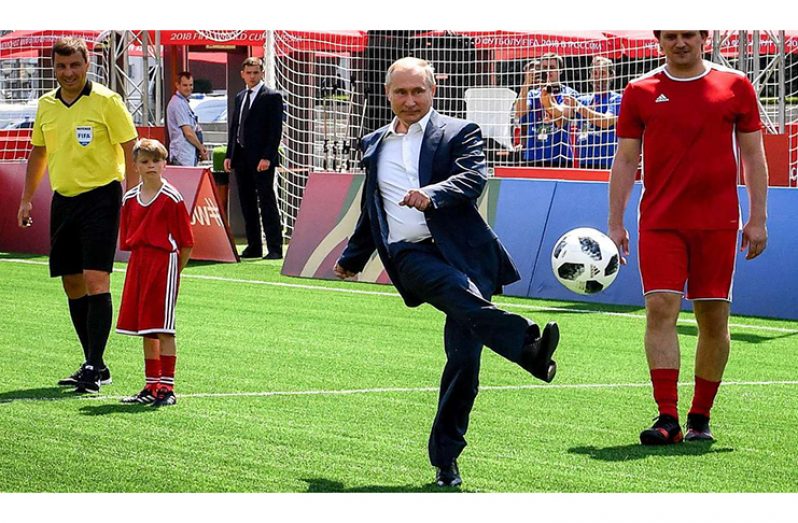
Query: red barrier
14, 144
582, 175
212, 236
777, 153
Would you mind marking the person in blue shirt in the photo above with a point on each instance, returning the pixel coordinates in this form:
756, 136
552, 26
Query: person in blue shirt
596, 117
544, 109
185, 133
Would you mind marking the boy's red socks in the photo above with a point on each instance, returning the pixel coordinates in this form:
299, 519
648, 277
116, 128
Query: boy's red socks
152, 373
168, 371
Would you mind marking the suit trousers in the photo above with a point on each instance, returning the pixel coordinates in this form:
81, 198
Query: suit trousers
471, 322
256, 193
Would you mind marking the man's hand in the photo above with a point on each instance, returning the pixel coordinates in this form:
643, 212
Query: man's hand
23, 215
203, 152
263, 165
755, 237
226, 165
342, 273
572, 104
417, 199
620, 236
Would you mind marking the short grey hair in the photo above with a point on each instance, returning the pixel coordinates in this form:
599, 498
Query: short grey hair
410, 61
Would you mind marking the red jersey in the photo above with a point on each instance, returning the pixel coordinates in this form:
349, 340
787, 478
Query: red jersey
691, 162
163, 223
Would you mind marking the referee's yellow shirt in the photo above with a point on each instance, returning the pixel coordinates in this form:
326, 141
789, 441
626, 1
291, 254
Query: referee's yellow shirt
83, 139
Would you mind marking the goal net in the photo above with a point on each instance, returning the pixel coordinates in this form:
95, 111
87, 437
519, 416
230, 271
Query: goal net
334, 94
332, 86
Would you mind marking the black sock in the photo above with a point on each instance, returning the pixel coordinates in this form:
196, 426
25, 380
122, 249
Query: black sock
99, 318
78, 311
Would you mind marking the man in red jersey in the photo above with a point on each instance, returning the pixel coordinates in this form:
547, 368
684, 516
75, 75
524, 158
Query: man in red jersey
690, 118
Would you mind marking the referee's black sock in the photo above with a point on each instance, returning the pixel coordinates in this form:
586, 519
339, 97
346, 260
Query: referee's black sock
99, 318
78, 311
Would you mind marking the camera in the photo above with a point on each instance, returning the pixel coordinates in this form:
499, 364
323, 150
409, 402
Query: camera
553, 88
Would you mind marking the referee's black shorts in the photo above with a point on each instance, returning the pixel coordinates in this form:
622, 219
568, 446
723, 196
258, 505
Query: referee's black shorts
84, 229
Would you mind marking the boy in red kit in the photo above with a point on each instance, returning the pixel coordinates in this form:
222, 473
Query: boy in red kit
156, 228
696, 124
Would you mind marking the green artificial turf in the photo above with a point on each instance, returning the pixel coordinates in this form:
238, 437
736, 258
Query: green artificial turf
294, 385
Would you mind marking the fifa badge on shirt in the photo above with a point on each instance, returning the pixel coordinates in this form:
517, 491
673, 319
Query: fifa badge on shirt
84, 135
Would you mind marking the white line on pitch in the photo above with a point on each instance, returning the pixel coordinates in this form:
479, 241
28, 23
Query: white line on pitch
397, 390
688, 321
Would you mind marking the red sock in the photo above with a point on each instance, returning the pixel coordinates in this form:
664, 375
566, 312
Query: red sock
168, 371
152, 373
704, 397
666, 392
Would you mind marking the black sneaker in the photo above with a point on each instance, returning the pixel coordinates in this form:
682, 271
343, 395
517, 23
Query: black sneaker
665, 431
72, 380
144, 397
88, 380
536, 356
448, 476
164, 398
105, 376
698, 428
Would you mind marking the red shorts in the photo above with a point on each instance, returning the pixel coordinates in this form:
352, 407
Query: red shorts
150, 293
704, 259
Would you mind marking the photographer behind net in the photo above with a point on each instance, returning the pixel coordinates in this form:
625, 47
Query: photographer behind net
544, 110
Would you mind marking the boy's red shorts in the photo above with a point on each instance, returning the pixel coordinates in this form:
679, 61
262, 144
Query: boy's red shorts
704, 259
150, 293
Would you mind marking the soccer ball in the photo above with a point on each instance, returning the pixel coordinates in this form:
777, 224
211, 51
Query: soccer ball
585, 260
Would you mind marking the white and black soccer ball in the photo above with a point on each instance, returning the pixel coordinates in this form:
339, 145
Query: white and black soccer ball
585, 260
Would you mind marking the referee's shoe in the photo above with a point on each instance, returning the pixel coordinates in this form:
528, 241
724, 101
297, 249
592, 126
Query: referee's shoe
88, 380
72, 380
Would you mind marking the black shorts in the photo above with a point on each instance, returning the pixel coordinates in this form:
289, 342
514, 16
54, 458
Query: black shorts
84, 229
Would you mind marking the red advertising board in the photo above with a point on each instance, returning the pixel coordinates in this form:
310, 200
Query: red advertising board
212, 237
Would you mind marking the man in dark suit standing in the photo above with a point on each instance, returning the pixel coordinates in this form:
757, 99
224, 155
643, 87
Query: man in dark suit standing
252, 153
424, 173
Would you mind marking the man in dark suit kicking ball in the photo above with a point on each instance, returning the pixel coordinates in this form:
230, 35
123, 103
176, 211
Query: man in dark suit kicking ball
424, 173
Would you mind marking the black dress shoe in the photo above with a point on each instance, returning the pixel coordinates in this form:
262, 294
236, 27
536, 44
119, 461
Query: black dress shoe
536, 356
273, 256
251, 253
448, 476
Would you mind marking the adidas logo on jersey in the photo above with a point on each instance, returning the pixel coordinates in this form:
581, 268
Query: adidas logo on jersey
661, 98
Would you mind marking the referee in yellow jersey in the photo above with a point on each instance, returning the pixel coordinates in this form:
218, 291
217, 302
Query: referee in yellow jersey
84, 135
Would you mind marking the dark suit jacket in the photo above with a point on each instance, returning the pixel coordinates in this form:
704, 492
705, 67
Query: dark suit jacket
263, 127
452, 173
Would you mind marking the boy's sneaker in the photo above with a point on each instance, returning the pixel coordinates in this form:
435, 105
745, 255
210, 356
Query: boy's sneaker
165, 397
144, 397
698, 428
88, 380
665, 431
72, 379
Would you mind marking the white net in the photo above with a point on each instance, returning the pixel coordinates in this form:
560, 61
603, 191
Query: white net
332, 84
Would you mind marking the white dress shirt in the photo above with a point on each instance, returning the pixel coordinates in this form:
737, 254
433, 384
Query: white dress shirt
397, 172
255, 91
